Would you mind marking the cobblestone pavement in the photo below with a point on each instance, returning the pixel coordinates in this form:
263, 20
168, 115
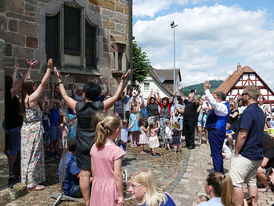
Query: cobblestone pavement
192, 183
182, 175
166, 169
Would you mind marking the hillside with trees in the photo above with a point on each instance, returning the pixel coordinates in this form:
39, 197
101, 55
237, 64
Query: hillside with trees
200, 87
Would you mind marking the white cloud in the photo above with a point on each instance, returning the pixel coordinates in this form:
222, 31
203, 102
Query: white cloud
149, 8
210, 40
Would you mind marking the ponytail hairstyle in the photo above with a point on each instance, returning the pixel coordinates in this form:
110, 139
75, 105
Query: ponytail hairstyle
97, 117
222, 187
106, 128
27, 89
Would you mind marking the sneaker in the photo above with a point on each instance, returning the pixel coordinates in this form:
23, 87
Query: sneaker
143, 153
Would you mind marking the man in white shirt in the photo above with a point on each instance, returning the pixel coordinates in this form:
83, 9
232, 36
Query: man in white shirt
216, 125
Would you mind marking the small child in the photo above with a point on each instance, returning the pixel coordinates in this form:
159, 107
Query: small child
168, 138
143, 136
62, 120
134, 127
176, 137
106, 164
229, 135
46, 132
227, 146
199, 199
124, 136
153, 139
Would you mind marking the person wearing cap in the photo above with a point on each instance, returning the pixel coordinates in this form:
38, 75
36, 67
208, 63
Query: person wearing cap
216, 125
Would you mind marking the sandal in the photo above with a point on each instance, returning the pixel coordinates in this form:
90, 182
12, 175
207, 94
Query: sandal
37, 188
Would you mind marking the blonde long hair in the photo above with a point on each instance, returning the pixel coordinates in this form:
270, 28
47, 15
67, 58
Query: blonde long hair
222, 187
152, 196
106, 128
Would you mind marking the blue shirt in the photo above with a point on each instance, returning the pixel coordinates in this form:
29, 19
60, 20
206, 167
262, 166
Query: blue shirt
169, 202
135, 126
124, 134
70, 180
127, 103
54, 114
216, 201
253, 120
73, 125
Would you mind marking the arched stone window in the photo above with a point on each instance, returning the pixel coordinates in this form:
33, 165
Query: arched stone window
72, 35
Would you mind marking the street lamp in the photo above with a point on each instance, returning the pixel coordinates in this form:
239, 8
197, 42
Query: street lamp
173, 25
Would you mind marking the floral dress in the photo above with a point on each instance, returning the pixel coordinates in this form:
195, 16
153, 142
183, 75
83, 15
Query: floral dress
32, 152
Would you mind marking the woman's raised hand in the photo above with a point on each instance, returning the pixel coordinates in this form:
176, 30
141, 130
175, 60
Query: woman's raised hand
125, 75
50, 63
32, 63
58, 75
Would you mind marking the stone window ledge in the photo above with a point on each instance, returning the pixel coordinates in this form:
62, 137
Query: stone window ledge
117, 73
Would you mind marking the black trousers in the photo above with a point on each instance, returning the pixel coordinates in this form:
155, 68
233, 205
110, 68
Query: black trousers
189, 131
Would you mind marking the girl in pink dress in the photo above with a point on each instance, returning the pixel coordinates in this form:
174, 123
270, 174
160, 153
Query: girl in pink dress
106, 163
143, 136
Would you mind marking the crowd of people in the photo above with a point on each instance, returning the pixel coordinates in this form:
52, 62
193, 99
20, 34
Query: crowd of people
37, 125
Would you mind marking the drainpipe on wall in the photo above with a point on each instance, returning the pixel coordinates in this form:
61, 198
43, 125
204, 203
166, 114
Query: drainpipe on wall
130, 38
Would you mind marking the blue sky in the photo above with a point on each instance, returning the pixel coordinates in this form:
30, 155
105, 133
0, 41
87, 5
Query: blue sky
212, 37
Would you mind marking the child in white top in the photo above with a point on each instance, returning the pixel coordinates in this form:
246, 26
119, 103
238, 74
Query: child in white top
63, 131
227, 146
153, 139
124, 135
168, 135
143, 136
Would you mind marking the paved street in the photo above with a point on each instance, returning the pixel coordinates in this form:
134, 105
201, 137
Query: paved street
192, 183
183, 175
166, 169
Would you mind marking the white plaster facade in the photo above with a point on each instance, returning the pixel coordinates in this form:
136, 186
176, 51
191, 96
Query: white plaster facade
151, 83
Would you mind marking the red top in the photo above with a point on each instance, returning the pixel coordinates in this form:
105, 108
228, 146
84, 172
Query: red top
168, 107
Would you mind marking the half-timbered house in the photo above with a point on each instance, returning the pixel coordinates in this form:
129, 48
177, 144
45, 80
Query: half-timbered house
233, 86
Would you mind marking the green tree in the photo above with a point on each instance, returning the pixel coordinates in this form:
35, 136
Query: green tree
140, 63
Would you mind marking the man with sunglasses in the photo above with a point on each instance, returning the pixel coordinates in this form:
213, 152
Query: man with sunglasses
249, 147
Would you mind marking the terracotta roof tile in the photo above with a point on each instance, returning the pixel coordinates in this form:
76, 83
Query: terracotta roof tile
233, 79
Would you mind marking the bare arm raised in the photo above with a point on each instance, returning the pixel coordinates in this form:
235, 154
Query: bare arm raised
33, 98
70, 101
110, 101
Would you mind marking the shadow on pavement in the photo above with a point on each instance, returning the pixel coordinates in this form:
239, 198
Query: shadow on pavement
127, 161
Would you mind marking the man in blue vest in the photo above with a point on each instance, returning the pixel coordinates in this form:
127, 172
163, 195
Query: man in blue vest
216, 123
